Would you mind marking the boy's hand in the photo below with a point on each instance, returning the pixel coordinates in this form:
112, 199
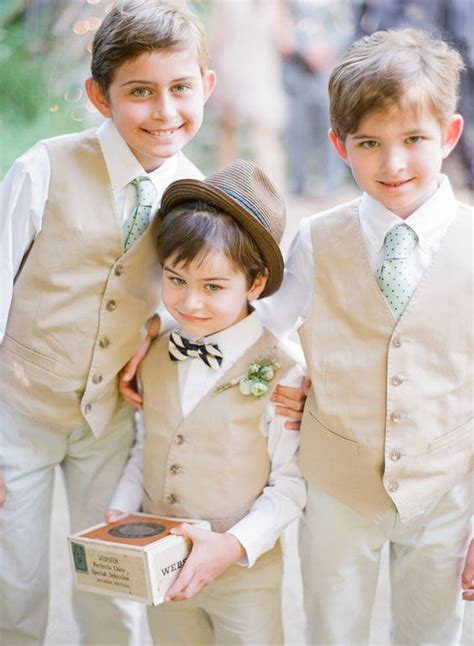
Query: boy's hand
291, 402
211, 555
111, 515
2, 490
467, 577
127, 380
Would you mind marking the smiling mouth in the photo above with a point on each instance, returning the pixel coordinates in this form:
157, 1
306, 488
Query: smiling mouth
396, 184
162, 132
195, 319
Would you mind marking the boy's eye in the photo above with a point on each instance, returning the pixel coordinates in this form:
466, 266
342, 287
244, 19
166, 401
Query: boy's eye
180, 88
177, 281
141, 92
414, 139
211, 287
370, 143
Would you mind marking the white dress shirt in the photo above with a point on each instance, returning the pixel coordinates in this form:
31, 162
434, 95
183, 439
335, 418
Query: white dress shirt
24, 191
285, 494
288, 308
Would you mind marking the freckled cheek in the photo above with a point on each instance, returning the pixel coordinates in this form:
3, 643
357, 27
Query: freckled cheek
134, 115
168, 297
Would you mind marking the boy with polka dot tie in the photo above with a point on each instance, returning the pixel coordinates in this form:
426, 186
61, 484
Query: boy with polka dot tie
383, 287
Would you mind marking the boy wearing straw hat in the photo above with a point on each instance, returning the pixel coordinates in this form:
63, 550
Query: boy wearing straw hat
214, 447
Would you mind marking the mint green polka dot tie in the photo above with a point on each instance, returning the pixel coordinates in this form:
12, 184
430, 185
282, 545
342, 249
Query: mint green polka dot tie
394, 274
136, 224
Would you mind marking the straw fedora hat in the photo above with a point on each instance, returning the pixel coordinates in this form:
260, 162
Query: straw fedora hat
243, 191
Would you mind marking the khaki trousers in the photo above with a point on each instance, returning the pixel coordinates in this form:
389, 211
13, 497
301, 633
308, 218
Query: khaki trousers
91, 468
340, 557
243, 606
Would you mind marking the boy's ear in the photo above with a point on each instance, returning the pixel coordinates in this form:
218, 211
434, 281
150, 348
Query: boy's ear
209, 80
452, 133
97, 98
338, 145
257, 288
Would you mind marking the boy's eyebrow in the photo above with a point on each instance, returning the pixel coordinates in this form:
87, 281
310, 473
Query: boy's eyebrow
413, 131
362, 136
166, 268
203, 280
149, 82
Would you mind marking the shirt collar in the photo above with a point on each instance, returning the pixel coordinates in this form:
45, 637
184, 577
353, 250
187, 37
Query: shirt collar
429, 221
236, 339
123, 166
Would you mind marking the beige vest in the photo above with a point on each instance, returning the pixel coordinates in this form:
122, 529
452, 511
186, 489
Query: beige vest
390, 415
214, 463
79, 301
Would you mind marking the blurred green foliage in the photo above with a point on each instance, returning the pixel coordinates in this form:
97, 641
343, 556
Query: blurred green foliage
38, 64
24, 110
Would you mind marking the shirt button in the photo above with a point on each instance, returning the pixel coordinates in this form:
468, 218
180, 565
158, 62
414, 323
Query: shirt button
393, 486
87, 408
179, 439
111, 306
397, 342
104, 342
395, 455
175, 469
172, 499
397, 380
396, 417
96, 379
118, 271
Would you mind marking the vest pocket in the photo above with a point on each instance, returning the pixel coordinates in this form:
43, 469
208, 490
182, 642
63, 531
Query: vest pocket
325, 455
30, 369
343, 442
460, 435
31, 356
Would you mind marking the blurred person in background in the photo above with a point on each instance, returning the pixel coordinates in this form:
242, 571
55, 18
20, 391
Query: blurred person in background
249, 93
317, 32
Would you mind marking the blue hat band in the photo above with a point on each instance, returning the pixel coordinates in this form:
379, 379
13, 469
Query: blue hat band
247, 205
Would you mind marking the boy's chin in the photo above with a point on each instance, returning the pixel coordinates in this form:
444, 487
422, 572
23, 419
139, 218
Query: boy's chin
197, 331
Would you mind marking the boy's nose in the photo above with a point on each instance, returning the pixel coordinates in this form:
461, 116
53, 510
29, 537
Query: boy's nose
394, 159
164, 107
192, 301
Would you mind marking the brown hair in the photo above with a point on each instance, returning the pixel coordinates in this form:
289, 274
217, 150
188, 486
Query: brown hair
388, 68
133, 27
194, 229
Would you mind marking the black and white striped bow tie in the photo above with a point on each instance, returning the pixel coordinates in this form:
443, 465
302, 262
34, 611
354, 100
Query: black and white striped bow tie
181, 348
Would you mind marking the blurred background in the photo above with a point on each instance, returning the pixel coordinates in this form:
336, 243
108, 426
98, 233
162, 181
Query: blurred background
273, 58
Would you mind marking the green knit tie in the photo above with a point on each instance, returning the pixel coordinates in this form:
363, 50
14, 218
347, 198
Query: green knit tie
394, 274
136, 224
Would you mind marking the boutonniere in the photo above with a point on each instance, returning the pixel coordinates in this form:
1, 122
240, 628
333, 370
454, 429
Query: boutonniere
255, 381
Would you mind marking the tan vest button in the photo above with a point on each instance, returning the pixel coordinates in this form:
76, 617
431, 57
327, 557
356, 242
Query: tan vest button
175, 469
397, 342
179, 439
104, 342
395, 455
87, 408
111, 306
118, 271
397, 380
172, 499
96, 379
393, 486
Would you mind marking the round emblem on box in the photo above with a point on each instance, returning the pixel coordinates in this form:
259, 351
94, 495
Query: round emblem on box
137, 530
